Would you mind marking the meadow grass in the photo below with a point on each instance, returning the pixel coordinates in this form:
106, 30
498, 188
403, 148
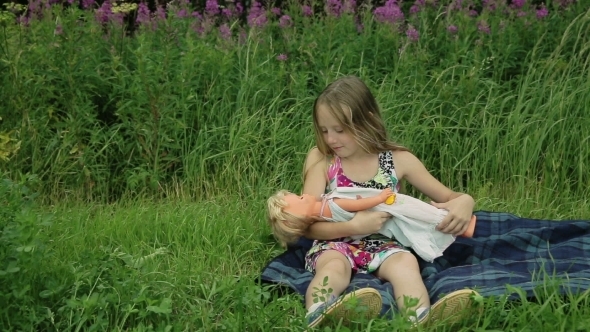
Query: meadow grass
184, 265
98, 112
177, 264
147, 157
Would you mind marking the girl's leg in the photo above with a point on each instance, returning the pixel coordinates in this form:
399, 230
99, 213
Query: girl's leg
337, 268
334, 265
402, 271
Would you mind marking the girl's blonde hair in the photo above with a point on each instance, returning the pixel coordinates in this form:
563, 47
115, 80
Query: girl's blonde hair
287, 228
352, 103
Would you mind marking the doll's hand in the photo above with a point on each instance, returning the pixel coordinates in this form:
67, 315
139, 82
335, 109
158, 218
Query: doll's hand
459, 215
369, 222
385, 194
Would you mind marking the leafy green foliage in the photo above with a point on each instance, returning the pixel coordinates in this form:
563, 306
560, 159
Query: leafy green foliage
94, 113
101, 113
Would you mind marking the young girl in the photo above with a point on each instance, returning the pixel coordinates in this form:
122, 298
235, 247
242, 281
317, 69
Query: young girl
353, 150
413, 221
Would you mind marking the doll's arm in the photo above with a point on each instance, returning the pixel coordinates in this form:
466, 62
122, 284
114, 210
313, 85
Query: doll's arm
470, 228
355, 205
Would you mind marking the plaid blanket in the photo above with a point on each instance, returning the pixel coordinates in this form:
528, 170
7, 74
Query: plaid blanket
506, 253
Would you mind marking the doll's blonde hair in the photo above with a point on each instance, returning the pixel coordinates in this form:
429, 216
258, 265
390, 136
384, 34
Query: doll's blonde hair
287, 228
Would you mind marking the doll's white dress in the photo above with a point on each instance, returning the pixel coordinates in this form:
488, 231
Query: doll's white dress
412, 223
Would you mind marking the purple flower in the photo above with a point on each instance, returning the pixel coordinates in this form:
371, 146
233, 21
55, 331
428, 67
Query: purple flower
389, 13
349, 6
239, 8
143, 13
276, 11
285, 21
104, 13
482, 26
282, 57
452, 29
24, 20
490, 5
306, 11
160, 13
182, 13
58, 29
417, 6
197, 15
518, 3
34, 6
334, 8
211, 7
521, 13
565, 3
473, 13
542, 12
225, 31
118, 18
457, 5
227, 13
257, 16
199, 29
87, 4
413, 34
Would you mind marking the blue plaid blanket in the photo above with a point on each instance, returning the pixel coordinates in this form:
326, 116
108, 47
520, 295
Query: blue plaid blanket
505, 254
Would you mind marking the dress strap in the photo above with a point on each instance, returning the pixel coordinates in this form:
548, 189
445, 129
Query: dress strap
333, 166
324, 202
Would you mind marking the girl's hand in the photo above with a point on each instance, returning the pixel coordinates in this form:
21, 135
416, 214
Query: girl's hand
368, 222
460, 212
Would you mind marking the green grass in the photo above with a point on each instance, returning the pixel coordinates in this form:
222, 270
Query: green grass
153, 154
187, 265
99, 115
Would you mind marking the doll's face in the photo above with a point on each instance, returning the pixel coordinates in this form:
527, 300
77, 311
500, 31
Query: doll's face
300, 205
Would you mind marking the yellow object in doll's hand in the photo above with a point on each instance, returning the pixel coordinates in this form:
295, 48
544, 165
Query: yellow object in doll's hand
390, 200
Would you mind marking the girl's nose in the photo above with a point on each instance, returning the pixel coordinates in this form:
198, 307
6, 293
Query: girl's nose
330, 139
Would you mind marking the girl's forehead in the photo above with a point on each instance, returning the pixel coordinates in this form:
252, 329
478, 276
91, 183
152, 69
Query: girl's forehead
328, 116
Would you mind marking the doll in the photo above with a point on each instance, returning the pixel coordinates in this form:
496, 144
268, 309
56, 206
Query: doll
413, 221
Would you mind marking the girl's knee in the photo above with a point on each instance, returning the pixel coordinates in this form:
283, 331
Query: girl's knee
404, 259
334, 261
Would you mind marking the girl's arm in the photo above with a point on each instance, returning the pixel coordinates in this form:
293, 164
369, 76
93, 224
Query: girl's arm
459, 205
315, 173
355, 205
314, 183
364, 222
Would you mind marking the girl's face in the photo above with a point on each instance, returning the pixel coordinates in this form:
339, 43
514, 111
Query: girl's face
334, 134
300, 205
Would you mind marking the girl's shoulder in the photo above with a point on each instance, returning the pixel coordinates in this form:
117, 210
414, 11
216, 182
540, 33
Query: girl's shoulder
404, 162
314, 173
315, 156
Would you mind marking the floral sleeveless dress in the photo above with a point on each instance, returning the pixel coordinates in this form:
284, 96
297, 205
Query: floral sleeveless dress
366, 254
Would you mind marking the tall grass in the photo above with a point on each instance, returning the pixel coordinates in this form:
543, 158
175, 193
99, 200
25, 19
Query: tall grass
103, 120
180, 265
101, 114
